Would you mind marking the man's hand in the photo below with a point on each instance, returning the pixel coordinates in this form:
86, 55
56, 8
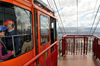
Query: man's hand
8, 51
13, 52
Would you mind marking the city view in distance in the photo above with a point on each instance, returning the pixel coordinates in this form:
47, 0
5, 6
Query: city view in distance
81, 31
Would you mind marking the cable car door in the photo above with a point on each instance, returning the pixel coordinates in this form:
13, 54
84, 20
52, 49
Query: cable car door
43, 34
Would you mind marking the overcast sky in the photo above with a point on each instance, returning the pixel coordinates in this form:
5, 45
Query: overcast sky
68, 12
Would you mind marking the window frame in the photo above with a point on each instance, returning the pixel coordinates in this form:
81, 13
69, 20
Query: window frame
40, 28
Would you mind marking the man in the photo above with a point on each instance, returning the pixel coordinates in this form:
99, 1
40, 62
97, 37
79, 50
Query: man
10, 31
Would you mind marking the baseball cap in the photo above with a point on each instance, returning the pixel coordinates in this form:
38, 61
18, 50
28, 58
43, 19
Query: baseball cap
8, 22
2, 28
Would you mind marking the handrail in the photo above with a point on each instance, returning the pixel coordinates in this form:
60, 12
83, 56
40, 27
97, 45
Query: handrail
96, 37
77, 35
37, 56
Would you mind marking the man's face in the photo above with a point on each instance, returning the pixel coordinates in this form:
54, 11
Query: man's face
9, 26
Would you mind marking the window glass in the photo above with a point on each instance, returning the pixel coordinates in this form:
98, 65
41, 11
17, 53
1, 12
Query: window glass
44, 28
18, 35
52, 25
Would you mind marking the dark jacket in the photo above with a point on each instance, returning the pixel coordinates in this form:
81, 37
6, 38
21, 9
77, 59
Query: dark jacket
16, 41
3, 52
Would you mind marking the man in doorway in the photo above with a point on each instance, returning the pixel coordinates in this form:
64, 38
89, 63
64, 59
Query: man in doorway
10, 32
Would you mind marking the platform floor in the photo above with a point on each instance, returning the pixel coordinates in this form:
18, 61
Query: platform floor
78, 60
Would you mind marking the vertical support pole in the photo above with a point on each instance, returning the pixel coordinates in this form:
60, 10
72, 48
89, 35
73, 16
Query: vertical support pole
63, 46
81, 47
92, 40
76, 47
90, 45
84, 45
93, 47
74, 44
69, 46
59, 47
13, 46
97, 48
66, 44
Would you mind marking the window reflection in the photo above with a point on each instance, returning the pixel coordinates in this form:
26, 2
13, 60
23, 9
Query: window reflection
44, 28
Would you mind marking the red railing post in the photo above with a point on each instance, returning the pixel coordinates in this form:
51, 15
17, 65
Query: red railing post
81, 47
66, 46
97, 48
74, 44
84, 45
60, 46
93, 46
63, 46
69, 46
89, 45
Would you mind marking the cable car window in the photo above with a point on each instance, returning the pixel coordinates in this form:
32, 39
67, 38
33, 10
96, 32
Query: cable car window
16, 24
44, 29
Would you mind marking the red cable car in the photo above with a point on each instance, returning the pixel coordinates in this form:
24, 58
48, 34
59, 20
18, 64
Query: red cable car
36, 27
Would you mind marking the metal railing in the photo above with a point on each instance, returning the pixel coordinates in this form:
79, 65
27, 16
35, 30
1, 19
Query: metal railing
50, 61
77, 44
96, 47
